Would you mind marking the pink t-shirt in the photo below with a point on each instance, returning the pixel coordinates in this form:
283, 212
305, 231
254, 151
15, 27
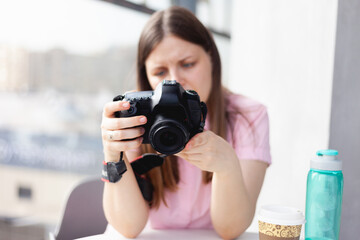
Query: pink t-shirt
189, 206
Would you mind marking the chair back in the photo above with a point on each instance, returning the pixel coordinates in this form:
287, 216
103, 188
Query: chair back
83, 215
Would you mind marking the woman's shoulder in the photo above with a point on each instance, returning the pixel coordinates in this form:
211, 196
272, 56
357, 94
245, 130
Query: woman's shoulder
238, 105
248, 127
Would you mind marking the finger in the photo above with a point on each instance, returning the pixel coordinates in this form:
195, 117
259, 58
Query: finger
111, 107
124, 134
198, 150
122, 123
189, 157
194, 146
196, 141
197, 163
195, 157
119, 146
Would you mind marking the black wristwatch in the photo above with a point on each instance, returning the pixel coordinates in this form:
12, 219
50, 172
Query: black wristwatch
113, 171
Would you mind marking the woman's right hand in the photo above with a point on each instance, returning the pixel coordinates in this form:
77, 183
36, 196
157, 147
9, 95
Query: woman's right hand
115, 130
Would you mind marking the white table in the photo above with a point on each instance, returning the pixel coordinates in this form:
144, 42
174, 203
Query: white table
178, 234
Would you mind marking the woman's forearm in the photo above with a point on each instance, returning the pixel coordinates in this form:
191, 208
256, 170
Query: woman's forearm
124, 206
231, 208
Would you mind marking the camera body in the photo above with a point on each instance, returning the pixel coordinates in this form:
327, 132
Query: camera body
174, 115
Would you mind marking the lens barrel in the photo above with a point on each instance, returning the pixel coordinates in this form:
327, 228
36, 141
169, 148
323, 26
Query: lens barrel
168, 136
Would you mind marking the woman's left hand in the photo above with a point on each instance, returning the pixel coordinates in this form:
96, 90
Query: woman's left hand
210, 152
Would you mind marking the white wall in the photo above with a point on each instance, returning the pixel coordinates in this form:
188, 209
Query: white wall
345, 112
282, 54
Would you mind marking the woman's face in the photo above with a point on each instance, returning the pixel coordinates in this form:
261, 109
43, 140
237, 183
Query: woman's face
183, 61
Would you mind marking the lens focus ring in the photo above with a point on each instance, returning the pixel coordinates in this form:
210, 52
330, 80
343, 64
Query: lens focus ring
168, 136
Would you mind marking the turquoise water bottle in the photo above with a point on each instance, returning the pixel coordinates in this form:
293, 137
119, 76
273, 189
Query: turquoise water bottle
324, 197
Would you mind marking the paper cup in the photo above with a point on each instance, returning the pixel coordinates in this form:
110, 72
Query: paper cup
280, 223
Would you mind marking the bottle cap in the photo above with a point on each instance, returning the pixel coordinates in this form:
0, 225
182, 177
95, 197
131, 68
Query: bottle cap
326, 160
327, 152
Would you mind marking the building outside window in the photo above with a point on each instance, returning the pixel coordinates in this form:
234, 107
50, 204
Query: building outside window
60, 62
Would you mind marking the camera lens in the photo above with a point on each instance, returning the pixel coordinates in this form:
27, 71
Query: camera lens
168, 136
168, 139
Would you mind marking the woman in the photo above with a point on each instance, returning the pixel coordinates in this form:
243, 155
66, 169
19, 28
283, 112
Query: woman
215, 181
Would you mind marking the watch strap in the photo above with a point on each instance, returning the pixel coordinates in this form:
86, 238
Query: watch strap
113, 171
145, 186
142, 165
146, 162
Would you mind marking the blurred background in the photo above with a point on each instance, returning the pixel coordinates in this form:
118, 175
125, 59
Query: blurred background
61, 61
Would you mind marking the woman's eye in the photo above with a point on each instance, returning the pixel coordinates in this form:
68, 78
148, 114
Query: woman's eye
160, 73
187, 65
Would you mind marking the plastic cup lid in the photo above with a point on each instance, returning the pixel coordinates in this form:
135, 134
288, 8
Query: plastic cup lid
281, 215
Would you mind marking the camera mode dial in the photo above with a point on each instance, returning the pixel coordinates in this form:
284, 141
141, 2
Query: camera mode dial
132, 110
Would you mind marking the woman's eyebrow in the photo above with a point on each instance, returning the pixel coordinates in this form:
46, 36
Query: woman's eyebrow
156, 67
160, 64
185, 58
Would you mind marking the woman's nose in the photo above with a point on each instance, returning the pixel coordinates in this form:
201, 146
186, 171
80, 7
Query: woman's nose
176, 75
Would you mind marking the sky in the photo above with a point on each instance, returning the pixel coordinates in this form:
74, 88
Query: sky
79, 26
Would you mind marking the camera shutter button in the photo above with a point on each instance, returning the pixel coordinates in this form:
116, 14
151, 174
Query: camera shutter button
192, 92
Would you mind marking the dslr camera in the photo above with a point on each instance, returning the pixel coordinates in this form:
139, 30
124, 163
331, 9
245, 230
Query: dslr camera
174, 115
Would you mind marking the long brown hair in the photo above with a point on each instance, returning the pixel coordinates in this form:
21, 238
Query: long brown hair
182, 23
